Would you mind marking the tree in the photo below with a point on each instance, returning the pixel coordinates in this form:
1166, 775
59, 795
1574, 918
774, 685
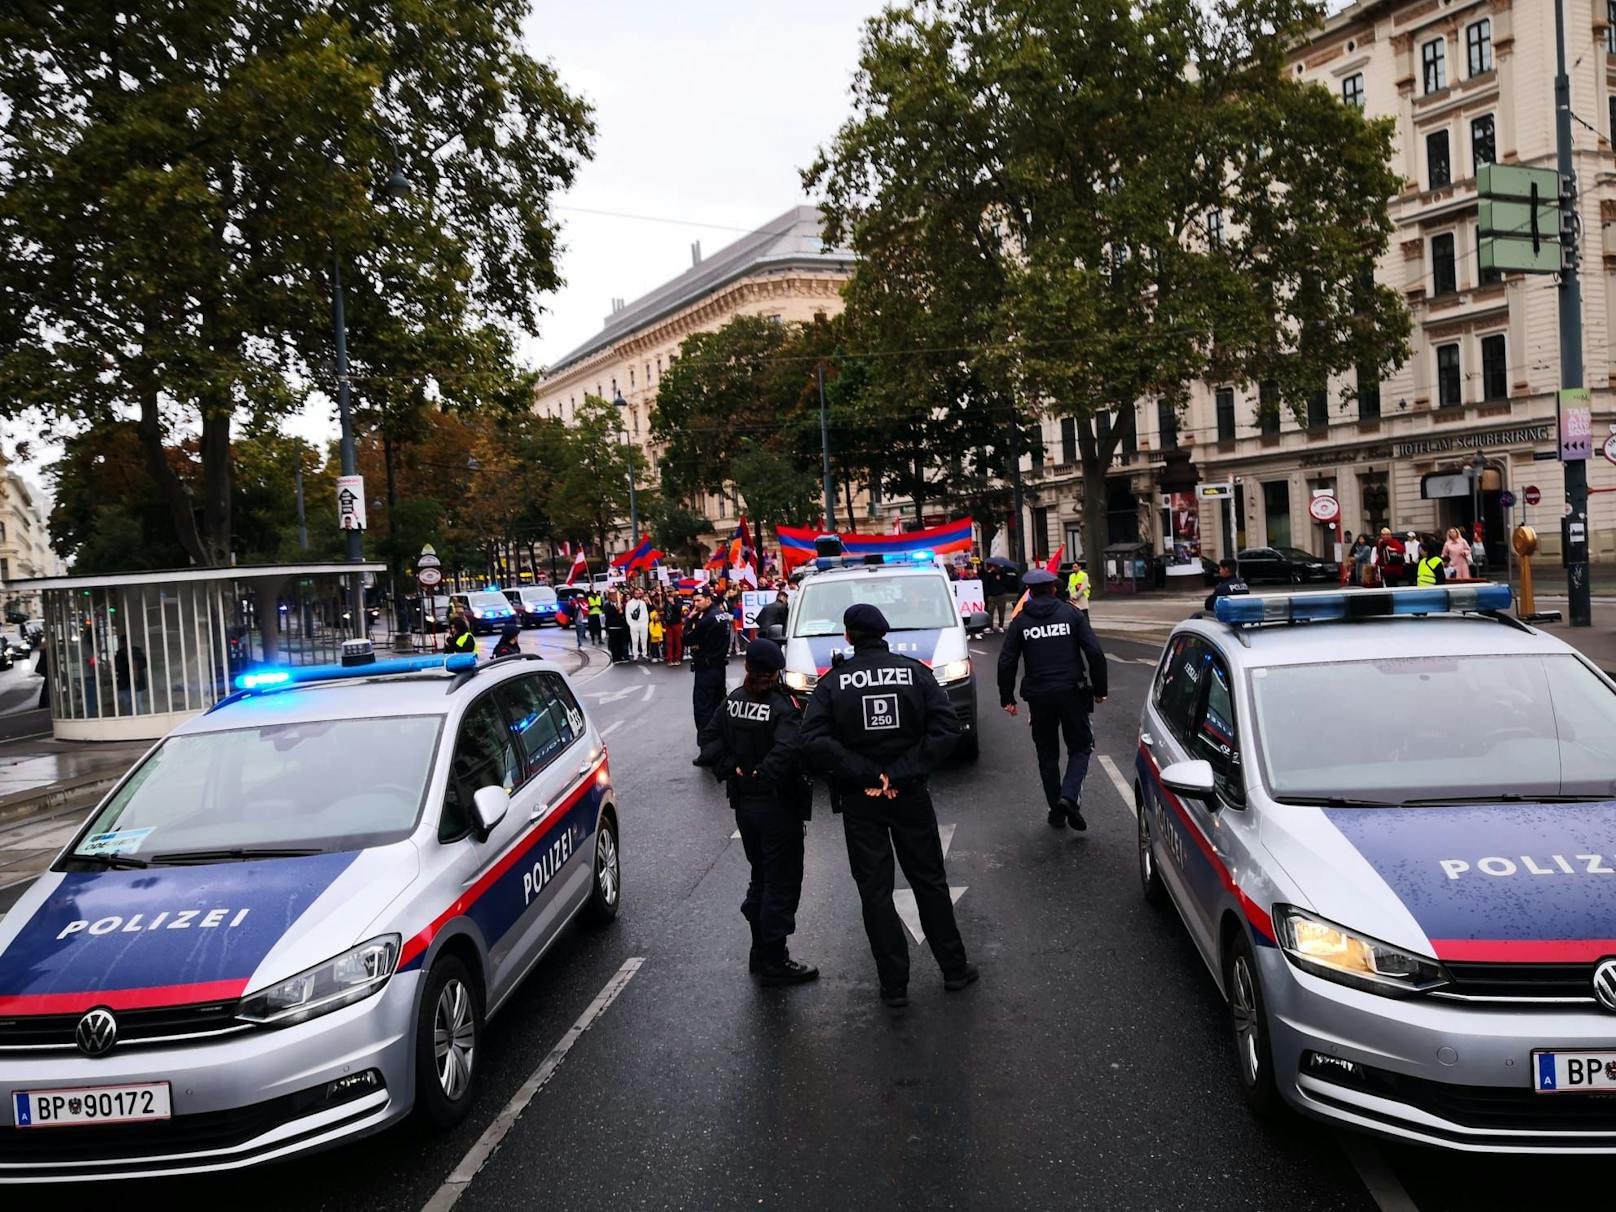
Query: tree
773, 488
1031, 185
674, 527
180, 181
592, 487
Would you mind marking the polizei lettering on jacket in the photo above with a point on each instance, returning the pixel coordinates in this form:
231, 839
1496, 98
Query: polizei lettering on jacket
1499, 866
886, 676
748, 711
137, 923
1046, 631
544, 868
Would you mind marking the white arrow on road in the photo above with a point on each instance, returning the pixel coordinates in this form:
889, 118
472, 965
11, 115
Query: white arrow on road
611, 696
903, 899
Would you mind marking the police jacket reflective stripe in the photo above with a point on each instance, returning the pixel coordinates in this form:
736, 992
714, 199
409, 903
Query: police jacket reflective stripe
1430, 572
762, 738
878, 713
1057, 641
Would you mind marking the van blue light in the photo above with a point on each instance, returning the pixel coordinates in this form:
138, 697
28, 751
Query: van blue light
1242, 609
271, 679
922, 557
258, 681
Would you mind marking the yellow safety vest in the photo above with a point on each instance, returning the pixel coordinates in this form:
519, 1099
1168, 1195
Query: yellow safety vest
594, 603
1077, 585
1430, 571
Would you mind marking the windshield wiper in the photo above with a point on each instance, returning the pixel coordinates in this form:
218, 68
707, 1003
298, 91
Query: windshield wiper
235, 854
1334, 801
1505, 797
110, 862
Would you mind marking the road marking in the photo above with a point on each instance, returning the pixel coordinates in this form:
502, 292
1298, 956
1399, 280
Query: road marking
735, 835
649, 691
643, 670
980, 651
610, 728
611, 696
903, 899
1117, 781
945, 834
1377, 1175
479, 1153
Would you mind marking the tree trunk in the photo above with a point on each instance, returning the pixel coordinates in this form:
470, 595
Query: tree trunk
216, 477
149, 428
1095, 458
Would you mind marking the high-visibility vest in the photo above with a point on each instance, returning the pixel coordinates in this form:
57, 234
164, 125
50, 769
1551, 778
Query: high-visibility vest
1430, 571
1077, 585
594, 604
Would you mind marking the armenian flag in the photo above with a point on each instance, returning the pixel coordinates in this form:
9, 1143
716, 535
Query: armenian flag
797, 542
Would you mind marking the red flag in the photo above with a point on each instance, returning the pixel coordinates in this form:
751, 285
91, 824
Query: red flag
1054, 560
580, 568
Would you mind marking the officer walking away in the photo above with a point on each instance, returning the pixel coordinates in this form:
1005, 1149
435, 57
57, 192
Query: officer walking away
1229, 583
1056, 640
459, 639
752, 744
707, 634
876, 727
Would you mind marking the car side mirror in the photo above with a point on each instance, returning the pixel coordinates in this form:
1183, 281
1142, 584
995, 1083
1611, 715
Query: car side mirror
1191, 781
775, 631
490, 805
978, 622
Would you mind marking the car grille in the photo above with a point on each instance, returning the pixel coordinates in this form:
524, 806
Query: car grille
1520, 982
1512, 1109
134, 1026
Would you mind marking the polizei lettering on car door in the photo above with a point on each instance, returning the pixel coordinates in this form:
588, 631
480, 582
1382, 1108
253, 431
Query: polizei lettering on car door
891, 676
550, 860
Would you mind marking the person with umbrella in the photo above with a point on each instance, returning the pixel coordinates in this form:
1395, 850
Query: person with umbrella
999, 588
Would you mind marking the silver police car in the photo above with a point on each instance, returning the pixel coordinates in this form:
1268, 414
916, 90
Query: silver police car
288, 924
1388, 821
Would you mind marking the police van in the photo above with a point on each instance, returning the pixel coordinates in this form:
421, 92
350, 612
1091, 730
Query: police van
288, 924
925, 623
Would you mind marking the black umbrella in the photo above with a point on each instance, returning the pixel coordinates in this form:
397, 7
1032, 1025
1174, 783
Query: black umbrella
1000, 562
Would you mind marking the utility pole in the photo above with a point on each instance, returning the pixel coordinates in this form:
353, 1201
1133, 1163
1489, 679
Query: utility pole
824, 450
1575, 542
353, 538
302, 522
1015, 481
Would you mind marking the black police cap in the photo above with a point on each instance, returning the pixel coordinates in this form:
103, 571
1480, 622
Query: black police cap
765, 654
1037, 576
865, 618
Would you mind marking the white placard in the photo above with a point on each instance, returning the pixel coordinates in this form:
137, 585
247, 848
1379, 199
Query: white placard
752, 601
969, 598
350, 502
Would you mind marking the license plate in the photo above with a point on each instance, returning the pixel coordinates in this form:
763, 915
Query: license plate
91, 1105
1574, 1072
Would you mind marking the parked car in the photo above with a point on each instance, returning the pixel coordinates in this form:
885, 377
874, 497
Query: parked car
535, 605
1290, 565
486, 610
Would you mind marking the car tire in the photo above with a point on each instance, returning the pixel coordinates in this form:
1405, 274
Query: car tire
1150, 881
1296, 578
448, 1041
969, 747
606, 880
1249, 1024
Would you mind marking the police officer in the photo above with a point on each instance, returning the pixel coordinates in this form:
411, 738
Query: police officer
459, 638
752, 744
1077, 587
1057, 642
597, 609
876, 726
1229, 583
707, 637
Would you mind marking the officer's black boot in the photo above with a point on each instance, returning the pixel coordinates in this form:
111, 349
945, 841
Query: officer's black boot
778, 968
1072, 810
754, 959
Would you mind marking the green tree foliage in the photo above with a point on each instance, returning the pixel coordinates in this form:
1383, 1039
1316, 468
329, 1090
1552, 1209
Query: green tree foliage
674, 527
775, 490
1030, 186
179, 181
591, 488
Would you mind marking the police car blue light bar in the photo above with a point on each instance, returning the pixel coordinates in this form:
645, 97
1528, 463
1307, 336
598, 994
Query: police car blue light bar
269, 679
1359, 604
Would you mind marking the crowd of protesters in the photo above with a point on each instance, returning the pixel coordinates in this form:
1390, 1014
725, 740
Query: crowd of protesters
1415, 558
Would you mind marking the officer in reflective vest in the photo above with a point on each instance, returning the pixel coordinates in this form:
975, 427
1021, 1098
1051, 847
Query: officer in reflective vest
1432, 568
1077, 588
596, 606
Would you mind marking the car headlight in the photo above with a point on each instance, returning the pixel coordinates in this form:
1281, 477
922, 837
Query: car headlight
347, 978
800, 681
1336, 953
954, 671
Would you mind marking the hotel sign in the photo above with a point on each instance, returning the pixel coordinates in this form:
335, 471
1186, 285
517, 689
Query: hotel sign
1444, 443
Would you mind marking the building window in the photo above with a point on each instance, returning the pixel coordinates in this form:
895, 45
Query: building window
1276, 498
723, 505
1068, 440
1268, 408
1444, 275
1368, 395
1318, 408
5, 570
1225, 410
631, 378
659, 366
1479, 46
1485, 277
1167, 424
1040, 533
1438, 164
1483, 146
1214, 226
1447, 376
1352, 90
1434, 59
1494, 368
1610, 26
1037, 446
1130, 438
1102, 427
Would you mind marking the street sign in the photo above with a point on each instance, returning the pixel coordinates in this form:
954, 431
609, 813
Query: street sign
1518, 219
1514, 181
1576, 424
1324, 508
350, 502
1609, 449
1532, 496
1507, 499
1520, 256
428, 560
428, 577
1216, 492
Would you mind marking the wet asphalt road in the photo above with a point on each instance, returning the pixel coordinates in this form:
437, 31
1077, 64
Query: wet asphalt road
1090, 1067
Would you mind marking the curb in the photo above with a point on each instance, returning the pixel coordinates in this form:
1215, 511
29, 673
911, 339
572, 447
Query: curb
87, 787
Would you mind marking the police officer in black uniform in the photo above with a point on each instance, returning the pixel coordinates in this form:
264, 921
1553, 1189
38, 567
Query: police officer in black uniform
707, 638
1229, 583
876, 726
752, 744
1057, 641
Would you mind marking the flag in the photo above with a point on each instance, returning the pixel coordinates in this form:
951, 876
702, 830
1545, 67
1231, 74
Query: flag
1054, 560
566, 550
797, 542
743, 574
642, 555
580, 568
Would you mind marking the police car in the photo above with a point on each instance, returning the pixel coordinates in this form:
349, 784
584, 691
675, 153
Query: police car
917, 599
288, 924
1388, 821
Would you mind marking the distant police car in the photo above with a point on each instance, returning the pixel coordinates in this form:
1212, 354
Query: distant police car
287, 924
487, 611
1388, 819
918, 601
535, 605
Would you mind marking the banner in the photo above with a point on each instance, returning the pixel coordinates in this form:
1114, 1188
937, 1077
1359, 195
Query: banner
968, 596
797, 542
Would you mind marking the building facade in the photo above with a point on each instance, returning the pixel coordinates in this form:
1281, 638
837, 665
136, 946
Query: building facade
782, 271
25, 549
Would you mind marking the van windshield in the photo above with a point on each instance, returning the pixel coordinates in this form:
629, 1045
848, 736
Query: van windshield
910, 603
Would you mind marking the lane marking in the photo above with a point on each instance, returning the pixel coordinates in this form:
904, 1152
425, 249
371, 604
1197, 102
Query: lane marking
1376, 1173
903, 899
1117, 781
980, 651
479, 1153
643, 670
735, 835
610, 728
945, 834
649, 691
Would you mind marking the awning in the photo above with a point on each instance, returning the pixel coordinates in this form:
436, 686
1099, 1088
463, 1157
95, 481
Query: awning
1442, 484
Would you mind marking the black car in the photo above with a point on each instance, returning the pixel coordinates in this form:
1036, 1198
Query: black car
1286, 565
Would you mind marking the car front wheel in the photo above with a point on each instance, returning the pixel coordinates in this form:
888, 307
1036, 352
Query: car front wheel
606, 895
448, 1039
1248, 1020
1150, 881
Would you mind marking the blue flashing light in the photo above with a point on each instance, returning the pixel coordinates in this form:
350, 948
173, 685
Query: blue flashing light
922, 556
259, 681
271, 679
1242, 609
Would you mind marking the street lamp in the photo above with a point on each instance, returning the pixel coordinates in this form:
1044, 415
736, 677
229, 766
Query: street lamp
633, 505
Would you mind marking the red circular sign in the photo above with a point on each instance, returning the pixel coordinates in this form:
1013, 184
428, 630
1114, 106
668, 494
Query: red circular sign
1532, 496
429, 577
1324, 509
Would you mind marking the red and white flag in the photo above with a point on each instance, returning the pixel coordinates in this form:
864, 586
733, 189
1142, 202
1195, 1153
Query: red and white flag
580, 568
566, 549
1054, 560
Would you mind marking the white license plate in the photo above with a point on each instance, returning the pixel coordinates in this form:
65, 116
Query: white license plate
91, 1105
1574, 1072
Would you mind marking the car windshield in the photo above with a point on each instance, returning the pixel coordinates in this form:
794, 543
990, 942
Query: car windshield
322, 786
487, 601
1436, 729
1296, 553
538, 594
911, 603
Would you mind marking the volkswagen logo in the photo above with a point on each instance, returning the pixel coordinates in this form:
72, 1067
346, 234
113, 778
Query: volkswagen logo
1605, 984
98, 1031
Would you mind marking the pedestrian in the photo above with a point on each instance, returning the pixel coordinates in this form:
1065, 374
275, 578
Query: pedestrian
129, 674
657, 634
42, 667
579, 608
1078, 588
1229, 583
774, 614
1389, 558
708, 631
877, 725
1348, 562
597, 611
616, 627
1412, 550
1000, 593
673, 628
1478, 552
1361, 552
637, 613
753, 745
458, 638
509, 640
737, 614
1431, 569
1056, 643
